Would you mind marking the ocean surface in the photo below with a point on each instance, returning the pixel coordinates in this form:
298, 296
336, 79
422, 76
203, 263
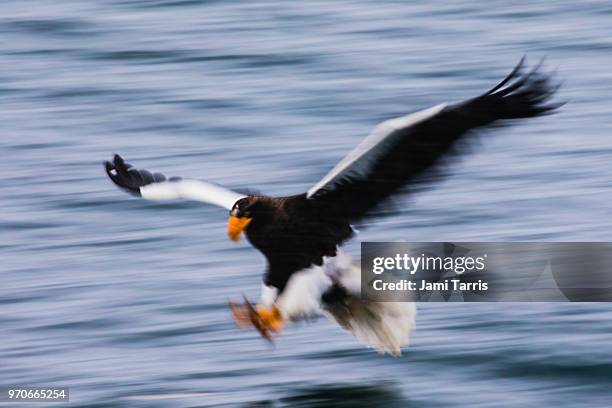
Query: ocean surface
125, 301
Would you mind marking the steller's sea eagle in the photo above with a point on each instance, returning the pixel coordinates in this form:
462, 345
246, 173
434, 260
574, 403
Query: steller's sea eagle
300, 235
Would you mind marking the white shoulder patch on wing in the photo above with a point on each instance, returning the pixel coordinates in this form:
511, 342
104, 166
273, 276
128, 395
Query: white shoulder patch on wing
191, 190
378, 135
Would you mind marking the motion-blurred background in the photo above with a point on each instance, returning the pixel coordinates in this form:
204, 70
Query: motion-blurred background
125, 301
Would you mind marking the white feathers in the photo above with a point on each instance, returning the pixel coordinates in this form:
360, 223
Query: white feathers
384, 326
268, 295
381, 132
191, 190
302, 295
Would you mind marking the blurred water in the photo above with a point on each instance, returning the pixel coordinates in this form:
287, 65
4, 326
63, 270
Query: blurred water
126, 301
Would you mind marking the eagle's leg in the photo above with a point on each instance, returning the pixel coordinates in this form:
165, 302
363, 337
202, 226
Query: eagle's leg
266, 320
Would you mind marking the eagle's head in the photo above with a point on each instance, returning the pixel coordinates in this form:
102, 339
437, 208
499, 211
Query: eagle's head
248, 210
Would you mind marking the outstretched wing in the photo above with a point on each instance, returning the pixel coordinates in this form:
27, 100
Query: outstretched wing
399, 151
155, 186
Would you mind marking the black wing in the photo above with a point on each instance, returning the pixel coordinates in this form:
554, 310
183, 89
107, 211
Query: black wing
400, 151
129, 178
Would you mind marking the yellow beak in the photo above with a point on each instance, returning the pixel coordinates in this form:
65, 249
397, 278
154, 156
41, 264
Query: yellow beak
235, 226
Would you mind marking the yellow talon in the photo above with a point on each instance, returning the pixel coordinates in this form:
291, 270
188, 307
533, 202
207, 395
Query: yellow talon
265, 320
271, 317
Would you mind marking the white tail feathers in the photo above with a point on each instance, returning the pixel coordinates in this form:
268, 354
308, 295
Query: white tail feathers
385, 326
